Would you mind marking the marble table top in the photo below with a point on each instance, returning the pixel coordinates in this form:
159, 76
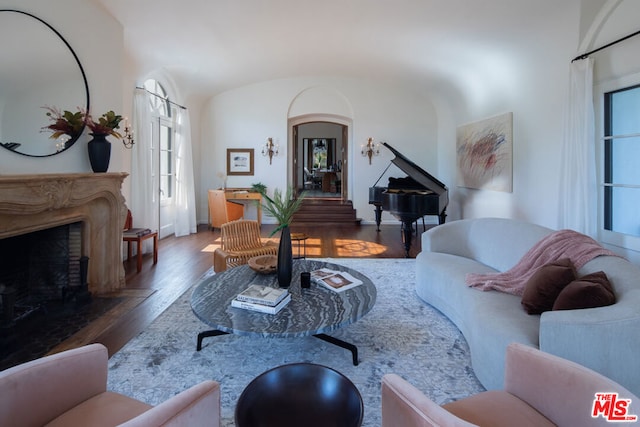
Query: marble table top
311, 311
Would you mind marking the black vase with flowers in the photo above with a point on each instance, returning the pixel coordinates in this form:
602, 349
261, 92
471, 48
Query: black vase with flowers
282, 207
99, 149
285, 258
71, 125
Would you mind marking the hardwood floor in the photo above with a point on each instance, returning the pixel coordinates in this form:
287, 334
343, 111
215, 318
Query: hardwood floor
181, 261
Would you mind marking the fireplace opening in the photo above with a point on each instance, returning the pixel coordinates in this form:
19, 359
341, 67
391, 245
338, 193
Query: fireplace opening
42, 276
39, 267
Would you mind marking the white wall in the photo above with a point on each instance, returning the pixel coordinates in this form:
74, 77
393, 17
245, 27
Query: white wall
245, 117
531, 82
97, 39
421, 123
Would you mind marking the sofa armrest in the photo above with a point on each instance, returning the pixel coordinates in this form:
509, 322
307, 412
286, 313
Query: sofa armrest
450, 238
36, 392
196, 406
405, 405
604, 339
561, 390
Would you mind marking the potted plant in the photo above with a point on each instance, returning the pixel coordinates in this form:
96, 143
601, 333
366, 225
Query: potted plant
259, 187
99, 147
106, 124
72, 124
282, 207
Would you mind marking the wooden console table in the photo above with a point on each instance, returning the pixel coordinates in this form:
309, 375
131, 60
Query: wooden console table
240, 194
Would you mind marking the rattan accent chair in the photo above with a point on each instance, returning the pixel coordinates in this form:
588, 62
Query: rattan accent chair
240, 241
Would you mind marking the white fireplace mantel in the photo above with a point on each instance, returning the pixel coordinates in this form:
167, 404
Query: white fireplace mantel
30, 203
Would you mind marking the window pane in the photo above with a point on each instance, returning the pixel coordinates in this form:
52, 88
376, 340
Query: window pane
165, 187
624, 155
164, 164
165, 138
624, 211
625, 112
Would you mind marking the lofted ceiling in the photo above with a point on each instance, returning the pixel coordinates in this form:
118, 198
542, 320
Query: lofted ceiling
209, 46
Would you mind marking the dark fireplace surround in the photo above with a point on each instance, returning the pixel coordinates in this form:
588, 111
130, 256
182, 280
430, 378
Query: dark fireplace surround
30, 203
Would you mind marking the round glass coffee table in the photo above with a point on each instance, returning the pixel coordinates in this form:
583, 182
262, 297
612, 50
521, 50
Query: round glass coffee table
311, 311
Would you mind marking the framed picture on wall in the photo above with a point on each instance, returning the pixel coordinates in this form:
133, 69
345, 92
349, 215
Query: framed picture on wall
239, 161
485, 154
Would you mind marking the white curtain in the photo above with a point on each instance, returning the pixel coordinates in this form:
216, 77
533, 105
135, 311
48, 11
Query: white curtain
144, 191
185, 219
578, 185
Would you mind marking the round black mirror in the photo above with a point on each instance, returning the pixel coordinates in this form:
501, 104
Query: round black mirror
38, 68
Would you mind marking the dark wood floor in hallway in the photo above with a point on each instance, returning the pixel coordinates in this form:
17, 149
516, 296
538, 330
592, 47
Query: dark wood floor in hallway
181, 261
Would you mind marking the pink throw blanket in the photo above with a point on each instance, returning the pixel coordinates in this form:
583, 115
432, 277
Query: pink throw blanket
578, 247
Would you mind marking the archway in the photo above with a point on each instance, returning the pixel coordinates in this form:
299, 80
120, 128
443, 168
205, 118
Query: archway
320, 118
320, 159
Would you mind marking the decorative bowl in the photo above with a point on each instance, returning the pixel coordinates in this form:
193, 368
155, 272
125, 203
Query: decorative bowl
264, 264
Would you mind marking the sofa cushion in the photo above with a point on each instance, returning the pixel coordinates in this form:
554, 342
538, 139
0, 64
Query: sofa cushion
105, 409
497, 408
592, 290
544, 286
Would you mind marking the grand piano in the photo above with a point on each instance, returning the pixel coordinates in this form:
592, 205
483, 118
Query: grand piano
409, 198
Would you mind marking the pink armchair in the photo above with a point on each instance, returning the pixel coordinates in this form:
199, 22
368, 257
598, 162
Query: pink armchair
69, 389
539, 390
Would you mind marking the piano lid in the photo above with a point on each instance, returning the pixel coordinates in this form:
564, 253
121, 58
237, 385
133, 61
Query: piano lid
416, 172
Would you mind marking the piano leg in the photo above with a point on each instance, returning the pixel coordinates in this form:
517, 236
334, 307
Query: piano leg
407, 232
378, 212
442, 216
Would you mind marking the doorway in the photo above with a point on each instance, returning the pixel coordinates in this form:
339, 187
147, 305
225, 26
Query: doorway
320, 166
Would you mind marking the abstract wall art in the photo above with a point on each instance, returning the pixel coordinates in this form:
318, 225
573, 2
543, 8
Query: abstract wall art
484, 154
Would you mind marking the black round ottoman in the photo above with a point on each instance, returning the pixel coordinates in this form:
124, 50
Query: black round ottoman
300, 394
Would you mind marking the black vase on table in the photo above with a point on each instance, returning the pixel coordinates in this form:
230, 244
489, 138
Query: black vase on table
99, 153
285, 258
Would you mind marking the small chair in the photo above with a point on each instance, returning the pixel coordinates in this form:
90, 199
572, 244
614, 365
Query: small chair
240, 241
70, 389
222, 210
300, 394
540, 389
139, 235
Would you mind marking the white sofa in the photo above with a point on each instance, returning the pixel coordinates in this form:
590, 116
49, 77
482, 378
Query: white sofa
605, 339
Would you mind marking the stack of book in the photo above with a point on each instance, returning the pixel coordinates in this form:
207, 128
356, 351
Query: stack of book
337, 281
264, 299
137, 232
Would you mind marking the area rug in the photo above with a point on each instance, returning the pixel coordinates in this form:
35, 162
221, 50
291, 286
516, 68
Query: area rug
400, 335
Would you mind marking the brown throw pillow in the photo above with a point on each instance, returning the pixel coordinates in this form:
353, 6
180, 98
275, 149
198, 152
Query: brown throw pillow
592, 290
545, 285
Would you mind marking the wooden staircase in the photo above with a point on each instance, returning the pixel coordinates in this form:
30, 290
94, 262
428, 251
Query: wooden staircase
326, 212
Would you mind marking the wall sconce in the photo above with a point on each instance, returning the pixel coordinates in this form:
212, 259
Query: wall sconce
127, 138
270, 149
370, 149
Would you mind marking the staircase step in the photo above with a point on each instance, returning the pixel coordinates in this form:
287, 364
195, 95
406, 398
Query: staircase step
326, 211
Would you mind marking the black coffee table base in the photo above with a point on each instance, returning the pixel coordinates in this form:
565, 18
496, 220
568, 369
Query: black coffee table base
347, 346
206, 334
324, 337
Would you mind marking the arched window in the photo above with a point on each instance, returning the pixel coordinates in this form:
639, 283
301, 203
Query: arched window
163, 140
159, 102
